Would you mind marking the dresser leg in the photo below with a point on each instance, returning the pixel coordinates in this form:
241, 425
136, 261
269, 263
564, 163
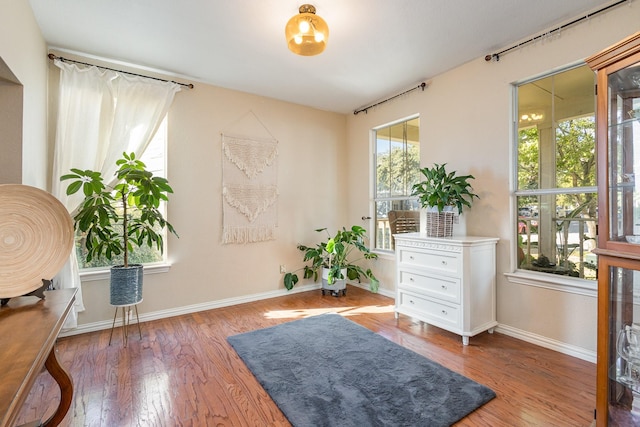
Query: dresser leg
61, 376
465, 340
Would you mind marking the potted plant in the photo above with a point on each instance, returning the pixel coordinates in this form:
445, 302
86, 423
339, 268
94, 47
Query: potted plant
332, 258
117, 219
440, 193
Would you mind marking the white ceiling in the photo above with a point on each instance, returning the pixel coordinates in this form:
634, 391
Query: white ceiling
376, 48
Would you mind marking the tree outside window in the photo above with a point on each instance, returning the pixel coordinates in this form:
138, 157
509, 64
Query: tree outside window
397, 169
556, 195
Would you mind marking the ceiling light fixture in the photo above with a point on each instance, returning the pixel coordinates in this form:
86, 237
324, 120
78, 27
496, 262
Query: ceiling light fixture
307, 33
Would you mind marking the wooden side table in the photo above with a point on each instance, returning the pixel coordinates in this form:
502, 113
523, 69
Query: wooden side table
29, 328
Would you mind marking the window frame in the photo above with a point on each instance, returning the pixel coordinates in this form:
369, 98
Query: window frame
529, 277
160, 137
374, 199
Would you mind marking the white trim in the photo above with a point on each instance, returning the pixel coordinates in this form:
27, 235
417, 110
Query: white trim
554, 282
381, 291
162, 314
564, 348
91, 275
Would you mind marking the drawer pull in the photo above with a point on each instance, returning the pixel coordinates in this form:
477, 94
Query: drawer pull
444, 262
411, 279
444, 312
411, 257
411, 301
444, 287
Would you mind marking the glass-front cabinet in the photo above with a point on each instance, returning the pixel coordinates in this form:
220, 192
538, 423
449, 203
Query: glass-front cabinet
618, 385
618, 151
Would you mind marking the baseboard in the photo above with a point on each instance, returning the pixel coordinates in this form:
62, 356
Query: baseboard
561, 347
162, 314
365, 286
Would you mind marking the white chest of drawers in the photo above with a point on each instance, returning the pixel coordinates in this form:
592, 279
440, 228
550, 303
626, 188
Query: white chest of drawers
447, 282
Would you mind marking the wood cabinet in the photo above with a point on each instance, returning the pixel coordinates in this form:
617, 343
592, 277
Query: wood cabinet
448, 282
618, 148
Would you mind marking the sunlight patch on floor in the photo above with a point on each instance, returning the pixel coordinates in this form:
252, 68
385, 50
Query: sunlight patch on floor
345, 311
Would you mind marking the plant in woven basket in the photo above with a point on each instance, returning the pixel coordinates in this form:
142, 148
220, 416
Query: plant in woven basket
442, 191
117, 219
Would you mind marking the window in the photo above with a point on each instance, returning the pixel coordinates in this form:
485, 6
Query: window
397, 169
154, 157
556, 195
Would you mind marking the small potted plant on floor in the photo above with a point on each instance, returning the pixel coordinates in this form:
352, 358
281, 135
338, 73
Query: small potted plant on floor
440, 193
117, 219
333, 258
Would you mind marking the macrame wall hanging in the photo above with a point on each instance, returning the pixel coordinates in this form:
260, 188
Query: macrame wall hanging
249, 187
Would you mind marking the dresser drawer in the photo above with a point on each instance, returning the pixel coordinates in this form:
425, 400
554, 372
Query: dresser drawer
444, 262
441, 287
447, 316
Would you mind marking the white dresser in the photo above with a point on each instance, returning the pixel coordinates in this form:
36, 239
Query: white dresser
448, 282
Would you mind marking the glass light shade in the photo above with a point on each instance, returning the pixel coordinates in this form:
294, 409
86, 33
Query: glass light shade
307, 33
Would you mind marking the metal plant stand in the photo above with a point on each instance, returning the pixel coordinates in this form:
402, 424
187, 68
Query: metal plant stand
126, 321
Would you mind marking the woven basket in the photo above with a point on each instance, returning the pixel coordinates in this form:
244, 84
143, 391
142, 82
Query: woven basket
439, 224
126, 284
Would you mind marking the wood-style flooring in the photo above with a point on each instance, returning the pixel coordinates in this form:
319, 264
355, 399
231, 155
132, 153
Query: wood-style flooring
184, 373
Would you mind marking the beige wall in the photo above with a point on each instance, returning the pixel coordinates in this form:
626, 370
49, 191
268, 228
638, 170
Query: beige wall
311, 176
465, 121
23, 50
324, 174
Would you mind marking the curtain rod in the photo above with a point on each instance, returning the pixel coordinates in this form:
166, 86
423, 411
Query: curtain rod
52, 57
420, 86
496, 56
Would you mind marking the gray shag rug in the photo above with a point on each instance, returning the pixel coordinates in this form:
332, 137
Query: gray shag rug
329, 371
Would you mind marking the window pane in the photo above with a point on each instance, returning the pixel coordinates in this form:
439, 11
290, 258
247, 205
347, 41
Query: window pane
556, 131
575, 153
397, 169
557, 234
528, 170
154, 159
397, 159
383, 233
383, 167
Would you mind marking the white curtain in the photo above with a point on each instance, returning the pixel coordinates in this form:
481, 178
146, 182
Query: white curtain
101, 114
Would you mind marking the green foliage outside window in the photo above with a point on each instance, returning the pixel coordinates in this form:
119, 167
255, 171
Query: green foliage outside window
397, 169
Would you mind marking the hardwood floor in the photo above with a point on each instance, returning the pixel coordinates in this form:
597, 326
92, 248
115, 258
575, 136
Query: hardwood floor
184, 373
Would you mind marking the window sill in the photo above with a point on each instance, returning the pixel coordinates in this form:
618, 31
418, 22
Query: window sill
94, 274
557, 283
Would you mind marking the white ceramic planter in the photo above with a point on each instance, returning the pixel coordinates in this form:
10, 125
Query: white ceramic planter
338, 286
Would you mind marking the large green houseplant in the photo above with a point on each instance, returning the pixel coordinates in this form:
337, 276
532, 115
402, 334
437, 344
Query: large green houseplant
333, 258
440, 193
115, 220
